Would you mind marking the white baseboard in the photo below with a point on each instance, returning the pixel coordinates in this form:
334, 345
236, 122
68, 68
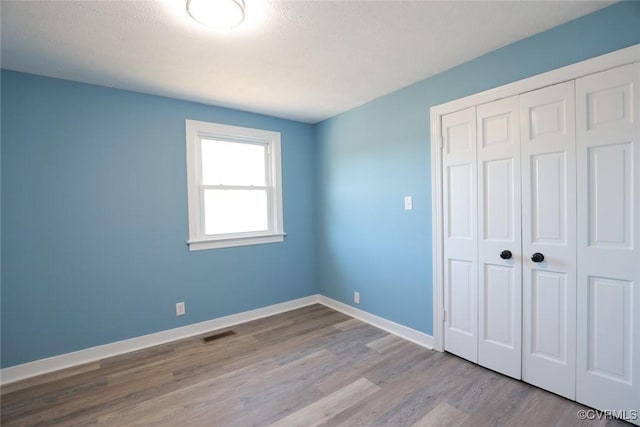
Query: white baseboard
405, 332
50, 364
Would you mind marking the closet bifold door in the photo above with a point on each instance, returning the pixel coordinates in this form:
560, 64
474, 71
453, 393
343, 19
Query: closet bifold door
499, 241
549, 237
459, 234
608, 370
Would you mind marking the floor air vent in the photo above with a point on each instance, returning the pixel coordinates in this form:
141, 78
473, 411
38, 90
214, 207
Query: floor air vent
214, 337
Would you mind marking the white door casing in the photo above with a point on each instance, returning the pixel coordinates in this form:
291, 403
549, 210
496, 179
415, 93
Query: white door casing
460, 231
548, 227
608, 294
499, 280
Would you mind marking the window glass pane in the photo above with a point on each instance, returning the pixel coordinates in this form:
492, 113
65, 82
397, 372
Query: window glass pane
235, 211
232, 163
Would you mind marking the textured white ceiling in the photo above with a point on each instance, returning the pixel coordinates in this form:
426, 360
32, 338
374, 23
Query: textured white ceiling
302, 60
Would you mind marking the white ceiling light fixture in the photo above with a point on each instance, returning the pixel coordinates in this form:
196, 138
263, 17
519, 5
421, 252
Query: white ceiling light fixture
218, 14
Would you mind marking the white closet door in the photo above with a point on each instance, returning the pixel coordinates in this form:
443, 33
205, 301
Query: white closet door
549, 229
499, 243
460, 231
608, 372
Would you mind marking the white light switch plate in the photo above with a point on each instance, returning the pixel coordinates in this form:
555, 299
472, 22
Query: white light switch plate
408, 203
180, 309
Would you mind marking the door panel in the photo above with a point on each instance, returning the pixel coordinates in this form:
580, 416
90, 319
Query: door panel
459, 200
548, 224
546, 120
610, 181
460, 309
460, 241
498, 294
549, 321
609, 106
609, 339
548, 198
608, 364
499, 345
498, 195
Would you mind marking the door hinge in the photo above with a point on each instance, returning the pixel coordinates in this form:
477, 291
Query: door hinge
444, 315
441, 141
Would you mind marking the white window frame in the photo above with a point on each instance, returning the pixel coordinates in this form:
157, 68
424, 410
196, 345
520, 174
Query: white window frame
195, 132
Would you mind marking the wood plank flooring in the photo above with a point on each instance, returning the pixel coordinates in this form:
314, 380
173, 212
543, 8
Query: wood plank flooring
307, 367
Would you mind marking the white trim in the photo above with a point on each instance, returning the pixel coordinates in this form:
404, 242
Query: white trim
397, 329
570, 72
50, 364
229, 242
437, 225
195, 131
68, 360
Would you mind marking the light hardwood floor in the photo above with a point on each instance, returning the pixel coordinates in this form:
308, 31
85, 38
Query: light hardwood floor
308, 367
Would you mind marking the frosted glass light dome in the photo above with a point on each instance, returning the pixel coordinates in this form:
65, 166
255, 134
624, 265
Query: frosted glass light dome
219, 14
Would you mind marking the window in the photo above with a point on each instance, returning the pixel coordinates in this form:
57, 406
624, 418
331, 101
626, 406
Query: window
234, 186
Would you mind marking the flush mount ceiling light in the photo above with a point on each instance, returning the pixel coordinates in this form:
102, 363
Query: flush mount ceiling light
219, 14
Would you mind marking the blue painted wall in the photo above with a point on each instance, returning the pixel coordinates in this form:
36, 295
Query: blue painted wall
94, 219
372, 156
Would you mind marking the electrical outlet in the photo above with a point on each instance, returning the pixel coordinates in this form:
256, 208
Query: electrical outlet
180, 309
356, 297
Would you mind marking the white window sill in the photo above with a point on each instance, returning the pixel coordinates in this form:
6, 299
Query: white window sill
230, 242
